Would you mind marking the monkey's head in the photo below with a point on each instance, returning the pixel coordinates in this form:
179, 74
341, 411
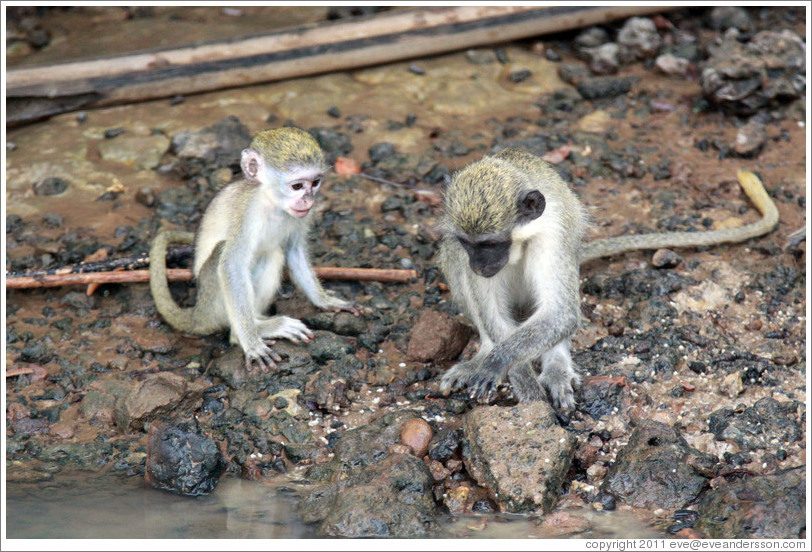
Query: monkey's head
289, 163
484, 204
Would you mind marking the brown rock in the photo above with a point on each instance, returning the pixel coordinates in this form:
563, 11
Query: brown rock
416, 434
437, 337
62, 430
455, 499
157, 395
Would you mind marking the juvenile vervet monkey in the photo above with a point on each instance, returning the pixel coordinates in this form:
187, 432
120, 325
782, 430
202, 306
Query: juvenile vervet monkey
250, 230
511, 252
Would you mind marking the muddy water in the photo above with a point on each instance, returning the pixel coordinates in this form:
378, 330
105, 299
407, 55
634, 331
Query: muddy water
88, 506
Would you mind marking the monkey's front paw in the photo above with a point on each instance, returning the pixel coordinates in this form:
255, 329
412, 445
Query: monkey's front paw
337, 304
261, 355
471, 374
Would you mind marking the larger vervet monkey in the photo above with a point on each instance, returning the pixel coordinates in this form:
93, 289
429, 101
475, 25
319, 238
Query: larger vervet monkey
251, 229
511, 255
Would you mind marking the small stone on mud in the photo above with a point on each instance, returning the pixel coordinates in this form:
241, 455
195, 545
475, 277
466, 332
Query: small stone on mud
665, 258
437, 337
50, 186
732, 385
416, 434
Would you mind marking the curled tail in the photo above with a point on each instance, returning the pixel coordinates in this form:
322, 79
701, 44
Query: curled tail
179, 318
751, 185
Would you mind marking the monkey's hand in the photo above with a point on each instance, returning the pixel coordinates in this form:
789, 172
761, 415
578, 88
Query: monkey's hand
331, 302
474, 375
262, 355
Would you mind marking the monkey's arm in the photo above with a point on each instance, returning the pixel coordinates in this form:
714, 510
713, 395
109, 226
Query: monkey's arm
751, 185
302, 274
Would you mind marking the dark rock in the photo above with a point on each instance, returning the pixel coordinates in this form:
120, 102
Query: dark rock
600, 396
217, 146
591, 38
572, 73
657, 469
182, 459
333, 111
519, 75
603, 60
157, 395
437, 337
756, 507
519, 454
381, 151
759, 425
367, 445
444, 444
342, 323
390, 499
745, 77
328, 346
334, 144
604, 87
50, 186
172, 202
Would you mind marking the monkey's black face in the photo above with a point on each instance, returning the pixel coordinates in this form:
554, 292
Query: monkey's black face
486, 257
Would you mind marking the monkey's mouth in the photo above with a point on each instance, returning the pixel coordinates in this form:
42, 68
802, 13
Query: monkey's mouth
299, 213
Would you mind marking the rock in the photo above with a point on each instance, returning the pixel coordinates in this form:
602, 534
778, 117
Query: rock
182, 459
519, 454
604, 87
50, 186
760, 426
765, 70
416, 434
342, 323
656, 469
157, 395
140, 152
437, 337
230, 366
444, 444
756, 507
665, 258
597, 122
98, 405
731, 385
603, 60
390, 499
750, 139
591, 38
367, 445
722, 18
219, 145
381, 151
638, 39
480, 56
600, 396
669, 64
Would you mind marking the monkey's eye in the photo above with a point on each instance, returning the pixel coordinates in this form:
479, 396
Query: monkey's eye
317, 183
297, 186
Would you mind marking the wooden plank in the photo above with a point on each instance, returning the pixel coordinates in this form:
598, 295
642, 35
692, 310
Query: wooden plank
38, 92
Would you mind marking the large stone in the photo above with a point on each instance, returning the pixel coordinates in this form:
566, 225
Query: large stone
519, 454
657, 469
767, 423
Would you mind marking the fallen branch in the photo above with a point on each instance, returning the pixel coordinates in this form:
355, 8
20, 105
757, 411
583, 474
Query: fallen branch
185, 275
37, 92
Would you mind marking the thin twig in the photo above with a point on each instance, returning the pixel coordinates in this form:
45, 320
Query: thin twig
184, 275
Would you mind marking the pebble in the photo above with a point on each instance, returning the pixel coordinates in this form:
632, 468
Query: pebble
50, 186
750, 139
670, 64
732, 385
416, 433
665, 258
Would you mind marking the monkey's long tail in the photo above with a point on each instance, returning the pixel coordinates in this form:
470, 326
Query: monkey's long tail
179, 318
751, 185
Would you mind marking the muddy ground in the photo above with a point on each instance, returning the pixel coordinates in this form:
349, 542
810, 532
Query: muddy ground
705, 353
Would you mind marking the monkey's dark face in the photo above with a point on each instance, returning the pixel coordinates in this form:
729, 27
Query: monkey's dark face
487, 255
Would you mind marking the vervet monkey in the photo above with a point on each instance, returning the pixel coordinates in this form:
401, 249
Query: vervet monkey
511, 252
250, 230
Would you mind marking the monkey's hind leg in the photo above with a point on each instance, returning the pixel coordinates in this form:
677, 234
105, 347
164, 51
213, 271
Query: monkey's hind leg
524, 383
283, 327
558, 376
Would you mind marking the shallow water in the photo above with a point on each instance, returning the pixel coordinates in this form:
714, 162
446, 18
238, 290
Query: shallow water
106, 507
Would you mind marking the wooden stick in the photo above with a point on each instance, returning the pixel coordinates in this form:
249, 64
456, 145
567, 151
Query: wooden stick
185, 275
34, 93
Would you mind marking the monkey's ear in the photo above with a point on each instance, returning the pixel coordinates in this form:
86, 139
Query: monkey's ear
251, 161
531, 205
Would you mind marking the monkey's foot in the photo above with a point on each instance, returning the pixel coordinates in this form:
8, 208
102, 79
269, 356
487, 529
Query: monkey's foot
471, 374
524, 383
284, 327
334, 303
561, 388
261, 355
